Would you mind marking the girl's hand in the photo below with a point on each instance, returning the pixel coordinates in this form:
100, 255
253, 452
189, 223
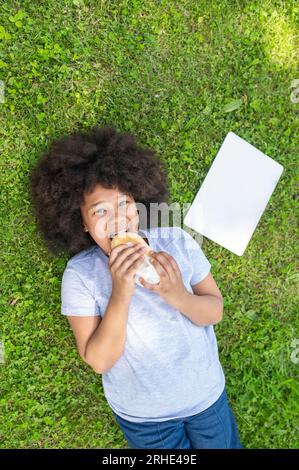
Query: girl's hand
124, 262
171, 287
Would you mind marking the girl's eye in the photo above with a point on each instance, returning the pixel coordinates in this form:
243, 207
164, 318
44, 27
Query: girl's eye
98, 211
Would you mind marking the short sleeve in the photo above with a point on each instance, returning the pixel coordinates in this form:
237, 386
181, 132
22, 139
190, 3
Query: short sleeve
199, 262
76, 299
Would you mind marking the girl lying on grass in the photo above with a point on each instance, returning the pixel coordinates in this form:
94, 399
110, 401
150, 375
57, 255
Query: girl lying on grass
154, 345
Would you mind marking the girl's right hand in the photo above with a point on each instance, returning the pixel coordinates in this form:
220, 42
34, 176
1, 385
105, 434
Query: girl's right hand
124, 262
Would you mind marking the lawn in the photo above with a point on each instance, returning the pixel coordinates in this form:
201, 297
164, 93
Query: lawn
170, 72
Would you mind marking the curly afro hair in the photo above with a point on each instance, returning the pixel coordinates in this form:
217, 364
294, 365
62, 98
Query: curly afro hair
74, 165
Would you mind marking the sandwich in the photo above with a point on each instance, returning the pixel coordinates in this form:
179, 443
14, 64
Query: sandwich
146, 269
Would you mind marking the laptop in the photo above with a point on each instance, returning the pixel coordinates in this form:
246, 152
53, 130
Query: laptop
234, 194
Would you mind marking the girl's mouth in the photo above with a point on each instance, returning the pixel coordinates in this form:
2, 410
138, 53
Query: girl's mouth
112, 235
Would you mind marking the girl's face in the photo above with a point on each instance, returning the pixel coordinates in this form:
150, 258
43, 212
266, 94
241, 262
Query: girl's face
106, 212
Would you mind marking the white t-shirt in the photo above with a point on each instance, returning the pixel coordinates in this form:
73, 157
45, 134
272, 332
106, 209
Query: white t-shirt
170, 367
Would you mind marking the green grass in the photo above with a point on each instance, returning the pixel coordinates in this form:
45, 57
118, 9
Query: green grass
165, 71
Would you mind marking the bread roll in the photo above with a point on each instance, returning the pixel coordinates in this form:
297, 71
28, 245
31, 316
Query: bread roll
146, 269
130, 237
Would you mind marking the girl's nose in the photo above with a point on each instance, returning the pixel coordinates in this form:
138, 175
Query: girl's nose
117, 226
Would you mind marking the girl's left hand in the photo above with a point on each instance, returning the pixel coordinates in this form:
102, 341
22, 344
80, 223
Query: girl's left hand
171, 287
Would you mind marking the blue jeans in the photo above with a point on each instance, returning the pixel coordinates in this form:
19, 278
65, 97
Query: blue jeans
213, 428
